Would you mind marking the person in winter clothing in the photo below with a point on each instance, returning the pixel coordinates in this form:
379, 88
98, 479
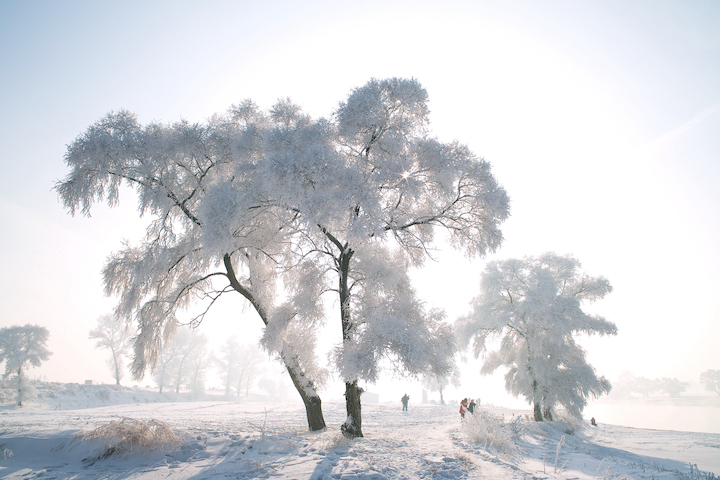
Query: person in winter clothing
463, 407
405, 399
471, 407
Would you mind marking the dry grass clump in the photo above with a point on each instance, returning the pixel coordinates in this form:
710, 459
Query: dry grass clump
492, 431
128, 435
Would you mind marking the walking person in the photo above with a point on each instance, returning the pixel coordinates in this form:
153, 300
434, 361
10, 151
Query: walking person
405, 399
463, 408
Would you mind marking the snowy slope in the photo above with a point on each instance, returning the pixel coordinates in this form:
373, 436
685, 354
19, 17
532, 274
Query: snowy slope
220, 439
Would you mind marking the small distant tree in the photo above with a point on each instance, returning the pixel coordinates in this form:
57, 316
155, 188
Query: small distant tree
711, 380
276, 387
199, 364
646, 387
190, 344
249, 361
228, 363
165, 365
534, 306
672, 386
113, 334
175, 365
21, 348
438, 382
238, 365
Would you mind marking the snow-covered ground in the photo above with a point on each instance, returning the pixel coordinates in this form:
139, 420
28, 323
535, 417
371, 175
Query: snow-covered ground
222, 439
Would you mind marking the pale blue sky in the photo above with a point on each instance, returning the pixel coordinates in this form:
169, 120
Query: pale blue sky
601, 119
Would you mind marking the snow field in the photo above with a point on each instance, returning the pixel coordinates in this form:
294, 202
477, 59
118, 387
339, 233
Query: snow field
221, 439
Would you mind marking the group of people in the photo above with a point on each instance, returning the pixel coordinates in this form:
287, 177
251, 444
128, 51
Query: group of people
466, 406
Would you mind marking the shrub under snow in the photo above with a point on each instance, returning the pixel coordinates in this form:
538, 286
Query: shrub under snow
130, 436
492, 431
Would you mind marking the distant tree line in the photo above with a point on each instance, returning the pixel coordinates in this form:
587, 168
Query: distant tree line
629, 384
184, 361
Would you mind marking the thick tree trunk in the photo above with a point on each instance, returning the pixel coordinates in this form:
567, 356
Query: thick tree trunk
353, 423
352, 427
537, 412
442, 400
537, 409
304, 386
306, 389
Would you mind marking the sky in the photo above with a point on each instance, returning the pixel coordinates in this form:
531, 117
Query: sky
601, 120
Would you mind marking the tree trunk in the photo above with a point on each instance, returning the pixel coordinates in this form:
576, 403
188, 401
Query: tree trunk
547, 410
20, 387
304, 386
538, 412
306, 389
353, 423
442, 400
547, 414
352, 427
117, 367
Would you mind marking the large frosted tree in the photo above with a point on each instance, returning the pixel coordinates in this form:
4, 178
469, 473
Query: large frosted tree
368, 189
22, 347
170, 168
342, 206
533, 306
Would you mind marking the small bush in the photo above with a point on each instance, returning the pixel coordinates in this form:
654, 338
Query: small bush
567, 423
130, 436
492, 431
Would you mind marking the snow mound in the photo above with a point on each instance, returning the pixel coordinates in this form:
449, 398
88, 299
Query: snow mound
71, 396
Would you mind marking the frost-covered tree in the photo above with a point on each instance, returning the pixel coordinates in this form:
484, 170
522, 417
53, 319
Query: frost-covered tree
368, 189
165, 366
711, 380
672, 386
343, 205
228, 363
238, 365
113, 334
200, 362
276, 387
170, 168
249, 366
533, 306
22, 347
175, 366
437, 383
191, 344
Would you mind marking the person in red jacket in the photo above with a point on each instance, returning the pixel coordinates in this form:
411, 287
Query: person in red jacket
463, 407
